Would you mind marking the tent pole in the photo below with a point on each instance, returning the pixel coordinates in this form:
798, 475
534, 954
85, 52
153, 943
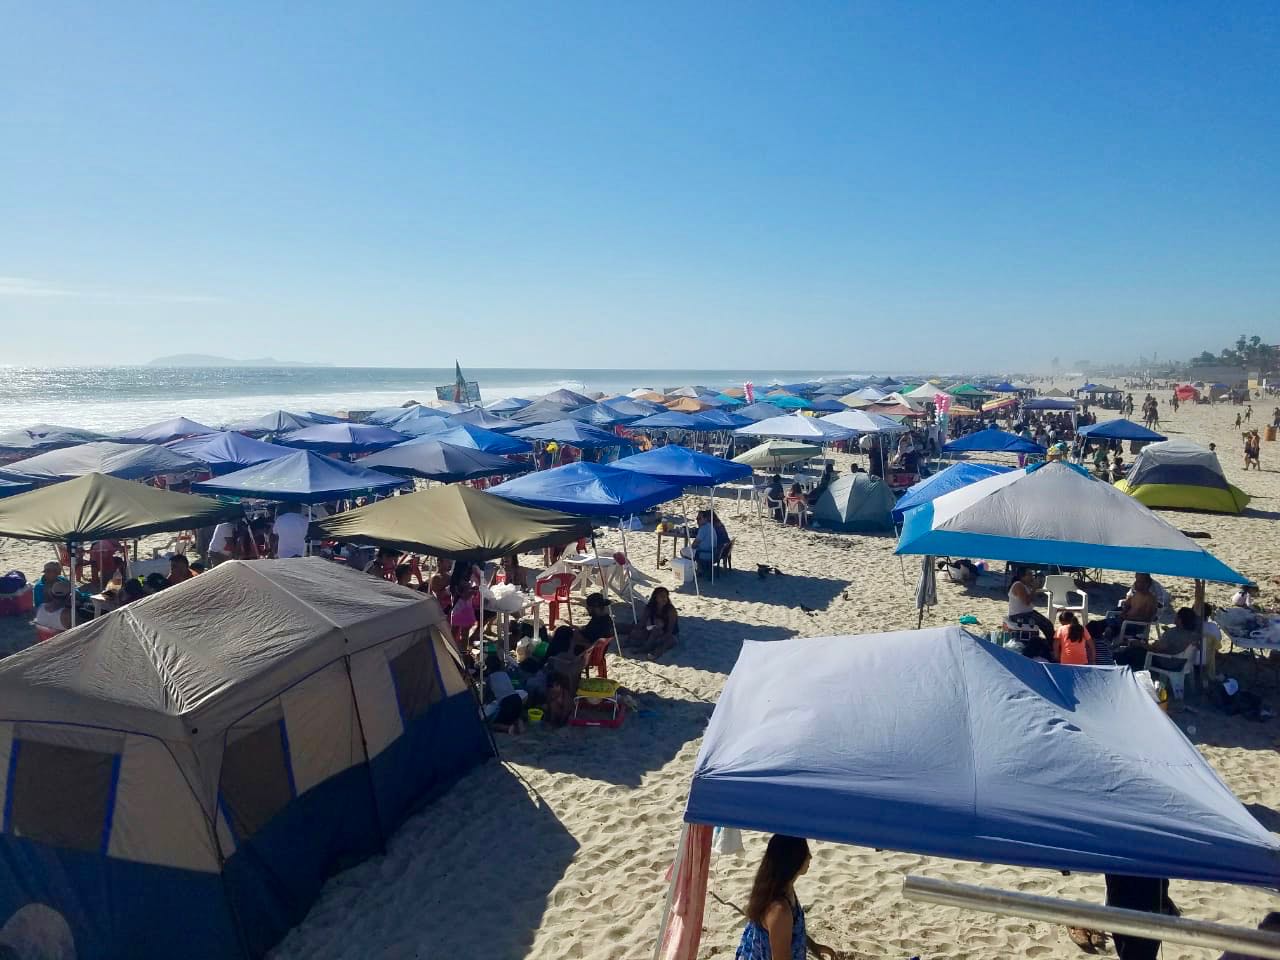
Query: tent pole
715, 547
617, 640
71, 575
631, 587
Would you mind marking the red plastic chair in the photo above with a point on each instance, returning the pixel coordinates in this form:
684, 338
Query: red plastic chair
596, 658
553, 591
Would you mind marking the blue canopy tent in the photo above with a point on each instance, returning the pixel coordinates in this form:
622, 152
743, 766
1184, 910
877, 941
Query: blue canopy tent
1056, 514
1120, 429
414, 415
588, 490
478, 438
432, 460
127, 461
567, 398
798, 427
384, 415
787, 401
827, 405
724, 400
1049, 403
809, 738
673, 464
323, 417
580, 435
45, 436
674, 420
992, 440
11, 485
164, 431
599, 415
229, 450
1004, 387
631, 407
343, 438
301, 477
479, 417
724, 419
757, 411
860, 421
944, 481
544, 411
422, 426
507, 405
277, 421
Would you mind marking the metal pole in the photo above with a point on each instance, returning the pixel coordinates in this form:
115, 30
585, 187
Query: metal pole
715, 546
71, 575
1076, 913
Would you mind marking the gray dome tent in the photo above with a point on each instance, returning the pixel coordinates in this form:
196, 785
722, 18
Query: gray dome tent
855, 503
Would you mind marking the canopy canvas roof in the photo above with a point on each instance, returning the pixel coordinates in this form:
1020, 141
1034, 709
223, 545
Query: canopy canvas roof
343, 437
96, 507
278, 421
775, 453
479, 417
568, 398
944, 481
588, 490
674, 420
1119, 429
809, 738
757, 411
478, 438
165, 430
229, 450
45, 436
863, 421
456, 522
992, 440
507, 405
443, 462
601, 415
1179, 474
9, 488
1049, 403
302, 477
1056, 514
575, 434
128, 461
798, 427
674, 464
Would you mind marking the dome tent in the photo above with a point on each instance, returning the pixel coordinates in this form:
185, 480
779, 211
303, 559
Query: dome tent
856, 503
1180, 475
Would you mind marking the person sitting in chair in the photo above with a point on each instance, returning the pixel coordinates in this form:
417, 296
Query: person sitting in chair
707, 540
1022, 609
659, 625
774, 497
598, 626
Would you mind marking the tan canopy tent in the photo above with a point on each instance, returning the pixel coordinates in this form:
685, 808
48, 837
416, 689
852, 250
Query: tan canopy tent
456, 522
96, 506
775, 453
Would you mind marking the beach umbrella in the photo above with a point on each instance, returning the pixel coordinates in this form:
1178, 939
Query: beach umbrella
455, 522
797, 427
343, 438
992, 440
507, 405
278, 421
1004, 403
1004, 387
773, 454
478, 438
580, 435
855, 402
301, 477
944, 481
1120, 429
632, 408
1056, 514
126, 461
861, 421
229, 450
589, 490
45, 436
97, 507
479, 417
826, 405
164, 431
443, 462
674, 464
869, 393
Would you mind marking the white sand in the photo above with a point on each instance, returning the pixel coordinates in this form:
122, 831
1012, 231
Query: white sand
559, 851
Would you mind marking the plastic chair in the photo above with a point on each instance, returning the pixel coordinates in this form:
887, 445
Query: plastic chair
553, 591
798, 510
1177, 677
1059, 587
595, 657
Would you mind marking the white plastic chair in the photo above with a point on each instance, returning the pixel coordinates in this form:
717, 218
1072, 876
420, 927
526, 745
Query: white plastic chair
797, 510
1177, 678
1059, 587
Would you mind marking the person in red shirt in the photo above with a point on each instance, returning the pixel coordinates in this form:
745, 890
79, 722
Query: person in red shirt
1072, 643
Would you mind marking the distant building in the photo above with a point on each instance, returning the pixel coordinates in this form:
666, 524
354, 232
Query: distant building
1230, 374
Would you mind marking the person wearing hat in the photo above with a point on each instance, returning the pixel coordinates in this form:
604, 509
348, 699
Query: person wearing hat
52, 574
54, 614
599, 626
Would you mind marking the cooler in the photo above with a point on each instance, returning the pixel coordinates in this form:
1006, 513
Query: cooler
20, 604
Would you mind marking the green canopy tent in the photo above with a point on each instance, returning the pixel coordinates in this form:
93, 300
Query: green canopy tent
457, 522
95, 507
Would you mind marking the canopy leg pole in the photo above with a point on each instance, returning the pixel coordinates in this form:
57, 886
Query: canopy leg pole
622, 529
715, 547
71, 575
617, 640
1198, 606
480, 658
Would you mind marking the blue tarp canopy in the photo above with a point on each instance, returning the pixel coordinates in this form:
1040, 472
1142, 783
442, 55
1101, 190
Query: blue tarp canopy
302, 477
415, 414
343, 438
432, 460
127, 461
724, 419
631, 407
478, 417
588, 490
478, 438
992, 440
1056, 514
566, 398
1004, 387
826, 405
944, 481
674, 420
323, 417
580, 435
786, 401
757, 411
421, 426
164, 431
599, 415
996, 758
384, 415
277, 421
544, 411
229, 450
507, 405
684, 466
45, 436
798, 427
1119, 429
1049, 403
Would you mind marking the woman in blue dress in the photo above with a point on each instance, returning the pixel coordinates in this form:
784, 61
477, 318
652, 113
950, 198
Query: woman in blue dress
775, 919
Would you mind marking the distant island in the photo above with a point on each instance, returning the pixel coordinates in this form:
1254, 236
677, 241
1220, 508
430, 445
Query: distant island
208, 360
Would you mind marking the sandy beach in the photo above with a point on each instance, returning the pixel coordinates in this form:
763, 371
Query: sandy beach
560, 849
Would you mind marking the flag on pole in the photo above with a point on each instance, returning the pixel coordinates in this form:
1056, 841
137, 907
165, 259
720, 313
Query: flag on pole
459, 384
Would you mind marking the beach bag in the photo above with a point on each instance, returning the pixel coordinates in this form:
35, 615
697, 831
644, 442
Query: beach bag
13, 582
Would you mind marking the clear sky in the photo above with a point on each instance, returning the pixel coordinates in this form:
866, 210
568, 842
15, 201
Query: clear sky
858, 185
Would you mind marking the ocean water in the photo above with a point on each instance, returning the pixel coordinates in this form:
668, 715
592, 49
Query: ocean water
119, 398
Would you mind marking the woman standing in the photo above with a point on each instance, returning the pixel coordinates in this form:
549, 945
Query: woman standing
775, 919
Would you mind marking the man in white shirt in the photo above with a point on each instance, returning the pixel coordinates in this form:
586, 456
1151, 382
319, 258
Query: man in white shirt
290, 532
704, 542
220, 546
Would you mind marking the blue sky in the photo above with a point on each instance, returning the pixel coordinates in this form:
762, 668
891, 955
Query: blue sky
606, 184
